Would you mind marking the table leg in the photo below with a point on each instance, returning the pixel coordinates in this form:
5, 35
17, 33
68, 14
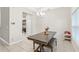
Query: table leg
41, 48
51, 49
36, 50
33, 45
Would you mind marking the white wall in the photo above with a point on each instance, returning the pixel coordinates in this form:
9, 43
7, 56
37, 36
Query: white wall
4, 29
16, 29
58, 20
0, 17
33, 24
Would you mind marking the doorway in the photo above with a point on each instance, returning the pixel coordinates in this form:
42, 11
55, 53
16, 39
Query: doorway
26, 25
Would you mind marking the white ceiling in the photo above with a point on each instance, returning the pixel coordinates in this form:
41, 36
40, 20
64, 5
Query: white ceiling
37, 9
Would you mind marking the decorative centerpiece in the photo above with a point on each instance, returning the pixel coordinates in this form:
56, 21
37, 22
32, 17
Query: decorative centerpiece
46, 31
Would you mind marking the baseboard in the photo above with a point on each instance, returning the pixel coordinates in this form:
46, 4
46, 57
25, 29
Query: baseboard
5, 42
11, 43
75, 46
15, 42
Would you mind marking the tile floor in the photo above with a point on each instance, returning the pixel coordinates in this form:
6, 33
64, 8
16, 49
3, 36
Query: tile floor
26, 46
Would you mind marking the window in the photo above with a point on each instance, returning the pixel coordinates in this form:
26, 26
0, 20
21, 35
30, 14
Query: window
75, 24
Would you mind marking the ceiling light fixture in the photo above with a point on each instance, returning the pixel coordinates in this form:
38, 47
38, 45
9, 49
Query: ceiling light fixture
41, 11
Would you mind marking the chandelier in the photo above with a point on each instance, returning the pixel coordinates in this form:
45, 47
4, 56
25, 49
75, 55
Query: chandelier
41, 11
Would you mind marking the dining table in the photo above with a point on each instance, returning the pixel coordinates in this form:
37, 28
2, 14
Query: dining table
41, 39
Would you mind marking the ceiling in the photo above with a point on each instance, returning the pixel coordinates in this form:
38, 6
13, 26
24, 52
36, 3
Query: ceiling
37, 9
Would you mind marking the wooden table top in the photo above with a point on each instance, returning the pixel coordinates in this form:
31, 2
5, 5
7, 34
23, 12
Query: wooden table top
41, 37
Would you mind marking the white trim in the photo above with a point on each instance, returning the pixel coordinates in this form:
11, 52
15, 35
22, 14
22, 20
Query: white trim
15, 42
4, 41
75, 10
75, 46
11, 43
